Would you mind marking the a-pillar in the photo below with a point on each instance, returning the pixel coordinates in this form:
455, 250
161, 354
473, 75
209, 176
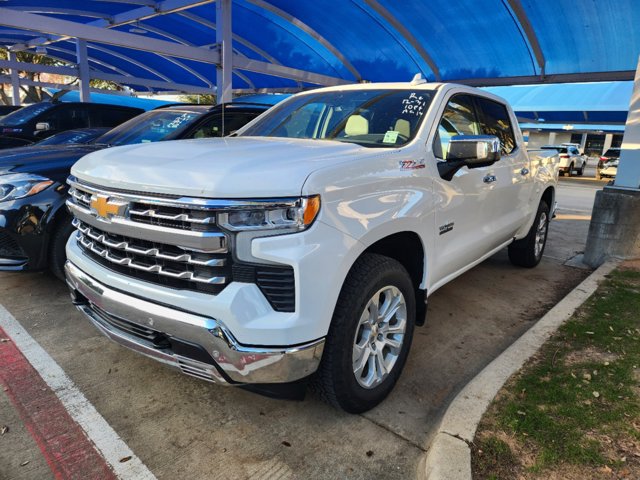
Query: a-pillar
615, 223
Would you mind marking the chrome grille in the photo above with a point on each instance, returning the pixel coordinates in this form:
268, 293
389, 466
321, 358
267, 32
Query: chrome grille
162, 260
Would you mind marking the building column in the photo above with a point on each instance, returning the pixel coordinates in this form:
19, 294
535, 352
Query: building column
223, 39
83, 69
583, 142
15, 81
552, 138
608, 140
614, 230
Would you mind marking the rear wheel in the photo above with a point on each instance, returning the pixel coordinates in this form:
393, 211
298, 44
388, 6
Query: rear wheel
57, 254
528, 251
581, 171
370, 335
570, 171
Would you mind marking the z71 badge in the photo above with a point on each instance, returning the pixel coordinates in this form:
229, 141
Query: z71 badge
411, 164
447, 227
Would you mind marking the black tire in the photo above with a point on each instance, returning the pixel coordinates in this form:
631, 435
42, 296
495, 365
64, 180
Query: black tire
570, 171
581, 171
57, 254
335, 381
523, 253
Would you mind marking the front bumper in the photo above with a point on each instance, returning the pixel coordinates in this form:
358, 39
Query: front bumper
197, 345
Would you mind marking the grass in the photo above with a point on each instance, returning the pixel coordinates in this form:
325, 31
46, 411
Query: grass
577, 404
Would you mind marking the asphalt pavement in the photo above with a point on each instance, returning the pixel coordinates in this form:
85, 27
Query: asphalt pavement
181, 427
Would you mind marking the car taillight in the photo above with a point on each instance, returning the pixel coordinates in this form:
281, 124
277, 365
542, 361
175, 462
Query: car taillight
604, 159
564, 156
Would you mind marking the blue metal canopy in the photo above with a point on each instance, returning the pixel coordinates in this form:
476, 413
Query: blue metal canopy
292, 44
576, 103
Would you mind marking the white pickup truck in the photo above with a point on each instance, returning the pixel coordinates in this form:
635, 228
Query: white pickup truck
305, 247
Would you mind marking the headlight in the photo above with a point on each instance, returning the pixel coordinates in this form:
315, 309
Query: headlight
20, 185
278, 216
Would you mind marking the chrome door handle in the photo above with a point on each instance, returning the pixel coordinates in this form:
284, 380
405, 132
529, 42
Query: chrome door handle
524, 171
489, 179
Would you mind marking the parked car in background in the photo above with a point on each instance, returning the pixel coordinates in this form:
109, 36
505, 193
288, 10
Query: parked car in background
32, 179
40, 120
570, 159
608, 163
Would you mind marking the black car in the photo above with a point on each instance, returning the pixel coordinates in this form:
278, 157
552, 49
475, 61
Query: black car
72, 137
35, 226
40, 120
7, 109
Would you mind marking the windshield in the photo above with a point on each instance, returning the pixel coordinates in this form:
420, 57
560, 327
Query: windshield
72, 136
25, 114
371, 118
559, 149
149, 127
612, 152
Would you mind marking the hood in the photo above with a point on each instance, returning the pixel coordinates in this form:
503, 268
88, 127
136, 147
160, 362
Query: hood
232, 167
52, 161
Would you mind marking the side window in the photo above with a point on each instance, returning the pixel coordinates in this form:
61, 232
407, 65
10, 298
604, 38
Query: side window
495, 121
458, 118
109, 117
67, 117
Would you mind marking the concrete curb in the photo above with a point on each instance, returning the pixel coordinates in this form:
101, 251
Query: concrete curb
449, 455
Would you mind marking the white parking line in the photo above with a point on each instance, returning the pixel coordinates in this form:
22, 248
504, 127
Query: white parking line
106, 440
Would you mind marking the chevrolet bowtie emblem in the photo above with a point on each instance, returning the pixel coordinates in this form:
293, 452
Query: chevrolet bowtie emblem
106, 208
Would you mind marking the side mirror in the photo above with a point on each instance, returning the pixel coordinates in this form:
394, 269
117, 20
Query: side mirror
470, 151
42, 126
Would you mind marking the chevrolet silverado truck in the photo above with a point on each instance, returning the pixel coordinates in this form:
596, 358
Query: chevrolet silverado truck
304, 248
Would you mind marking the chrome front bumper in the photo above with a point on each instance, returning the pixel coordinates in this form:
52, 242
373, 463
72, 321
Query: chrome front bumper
138, 324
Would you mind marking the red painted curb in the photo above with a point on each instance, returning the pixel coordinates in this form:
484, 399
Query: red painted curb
68, 451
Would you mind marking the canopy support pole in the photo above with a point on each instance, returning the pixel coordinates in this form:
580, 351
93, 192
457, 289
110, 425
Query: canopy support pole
83, 70
614, 230
15, 81
224, 69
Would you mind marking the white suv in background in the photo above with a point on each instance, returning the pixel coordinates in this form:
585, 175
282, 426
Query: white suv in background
570, 159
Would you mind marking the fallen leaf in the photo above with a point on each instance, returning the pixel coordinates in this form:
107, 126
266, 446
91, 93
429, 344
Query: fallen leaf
125, 459
3, 340
369, 453
520, 412
286, 444
26, 462
589, 333
606, 469
4, 430
596, 394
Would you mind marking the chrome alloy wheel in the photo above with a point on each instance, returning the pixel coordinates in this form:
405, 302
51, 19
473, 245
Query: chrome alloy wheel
541, 234
379, 336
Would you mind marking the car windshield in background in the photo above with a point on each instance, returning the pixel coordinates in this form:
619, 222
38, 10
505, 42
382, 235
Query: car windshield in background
25, 114
558, 149
72, 137
149, 127
371, 118
612, 153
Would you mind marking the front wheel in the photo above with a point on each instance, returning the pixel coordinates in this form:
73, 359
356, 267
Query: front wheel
581, 171
370, 335
570, 171
528, 251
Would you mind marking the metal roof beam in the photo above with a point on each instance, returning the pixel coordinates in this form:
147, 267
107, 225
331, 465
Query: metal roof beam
406, 34
620, 75
125, 18
38, 68
54, 26
243, 63
523, 18
310, 31
145, 82
58, 86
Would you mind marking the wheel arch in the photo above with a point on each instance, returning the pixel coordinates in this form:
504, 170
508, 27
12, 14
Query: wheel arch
407, 248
